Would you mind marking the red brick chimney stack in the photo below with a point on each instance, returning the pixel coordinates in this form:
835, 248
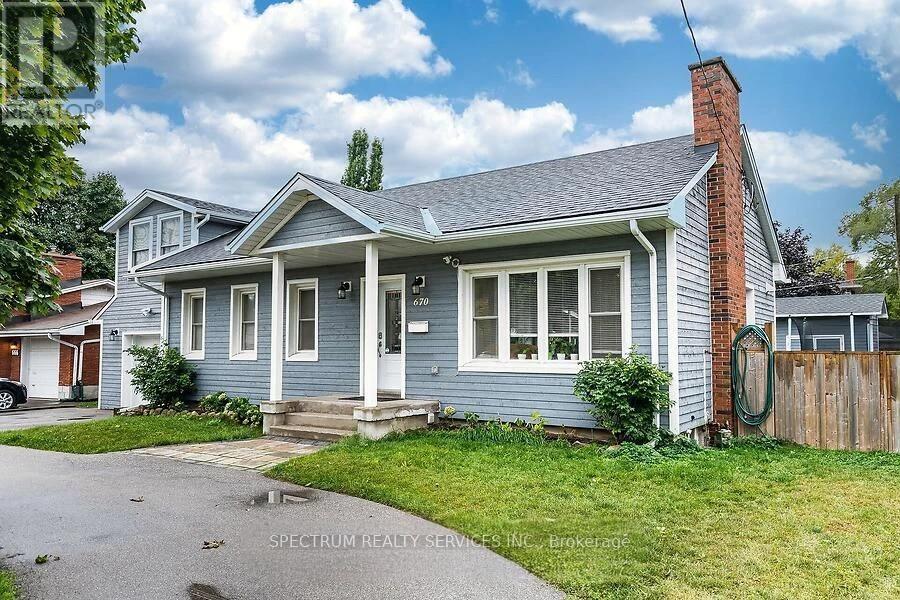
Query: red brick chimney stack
717, 119
850, 271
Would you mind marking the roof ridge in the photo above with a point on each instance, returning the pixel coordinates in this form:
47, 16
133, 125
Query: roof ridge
389, 199
175, 196
538, 162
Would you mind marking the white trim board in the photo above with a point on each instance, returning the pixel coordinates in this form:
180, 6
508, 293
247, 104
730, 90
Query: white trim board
401, 278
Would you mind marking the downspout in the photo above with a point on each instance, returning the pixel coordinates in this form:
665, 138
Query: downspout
81, 355
654, 294
74, 358
195, 230
164, 309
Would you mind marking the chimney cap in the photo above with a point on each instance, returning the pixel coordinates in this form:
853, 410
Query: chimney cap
717, 60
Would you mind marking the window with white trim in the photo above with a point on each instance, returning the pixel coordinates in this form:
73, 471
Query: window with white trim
169, 231
244, 302
828, 342
792, 342
303, 320
544, 315
193, 323
139, 241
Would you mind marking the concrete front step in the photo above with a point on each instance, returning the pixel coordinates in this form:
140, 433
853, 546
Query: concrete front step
321, 419
326, 406
309, 432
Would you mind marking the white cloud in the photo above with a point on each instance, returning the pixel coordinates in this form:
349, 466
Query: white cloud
519, 74
491, 12
226, 54
874, 135
756, 28
239, 160
808, 161
649, 123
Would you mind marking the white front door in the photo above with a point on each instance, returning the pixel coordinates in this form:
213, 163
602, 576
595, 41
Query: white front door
130, 396
390, 337
41, 367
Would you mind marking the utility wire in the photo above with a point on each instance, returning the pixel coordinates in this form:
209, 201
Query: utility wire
706, 79
812, 285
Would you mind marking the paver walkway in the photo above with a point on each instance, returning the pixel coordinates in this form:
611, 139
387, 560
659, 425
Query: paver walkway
252, 455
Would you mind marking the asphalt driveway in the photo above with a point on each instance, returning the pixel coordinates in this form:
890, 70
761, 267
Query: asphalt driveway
80, 508
21, 419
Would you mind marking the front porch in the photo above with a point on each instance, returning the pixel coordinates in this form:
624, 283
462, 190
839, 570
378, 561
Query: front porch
331, 418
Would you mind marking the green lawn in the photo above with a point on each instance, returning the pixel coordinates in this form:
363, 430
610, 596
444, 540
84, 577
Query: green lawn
783, 523
125, 433
7, 586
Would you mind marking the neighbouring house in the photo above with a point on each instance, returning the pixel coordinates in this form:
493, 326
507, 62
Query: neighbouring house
848, 322
51, 354
343, 310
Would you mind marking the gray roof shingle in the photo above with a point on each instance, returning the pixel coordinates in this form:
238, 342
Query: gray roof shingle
843, 304
238, 213
644, 175
214, 250
54, 322
375, 204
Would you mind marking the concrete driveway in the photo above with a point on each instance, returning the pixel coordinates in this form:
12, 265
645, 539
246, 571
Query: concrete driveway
329, 546
20, 419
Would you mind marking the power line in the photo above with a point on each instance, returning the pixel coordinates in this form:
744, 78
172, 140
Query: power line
823, 284
706, 79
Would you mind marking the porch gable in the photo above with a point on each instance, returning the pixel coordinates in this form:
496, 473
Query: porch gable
315, 220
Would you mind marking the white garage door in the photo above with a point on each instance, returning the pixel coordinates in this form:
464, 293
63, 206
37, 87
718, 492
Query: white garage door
42, 368
130, 396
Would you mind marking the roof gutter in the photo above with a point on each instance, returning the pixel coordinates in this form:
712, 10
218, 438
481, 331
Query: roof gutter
654, 299
74, 358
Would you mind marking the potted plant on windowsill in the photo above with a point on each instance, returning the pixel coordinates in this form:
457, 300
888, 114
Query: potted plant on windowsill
559, 347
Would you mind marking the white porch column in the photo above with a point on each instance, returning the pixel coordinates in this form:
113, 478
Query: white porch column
852, 334
277, 354
370, 351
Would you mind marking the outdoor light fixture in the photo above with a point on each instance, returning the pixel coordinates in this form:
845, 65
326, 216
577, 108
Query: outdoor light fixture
14, 346
343, 289
452, 261
417, 284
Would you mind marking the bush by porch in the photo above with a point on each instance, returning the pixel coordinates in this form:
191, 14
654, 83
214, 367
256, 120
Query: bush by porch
768, 520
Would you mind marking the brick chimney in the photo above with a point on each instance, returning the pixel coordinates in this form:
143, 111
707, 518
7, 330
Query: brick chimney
726, 217
68, 268
849, 285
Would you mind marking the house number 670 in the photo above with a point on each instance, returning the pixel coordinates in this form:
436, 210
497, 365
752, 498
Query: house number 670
420, 302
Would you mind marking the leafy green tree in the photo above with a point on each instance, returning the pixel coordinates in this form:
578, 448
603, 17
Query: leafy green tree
70, 223
871, 228
33, 157
364, 169
803, 269
830, 260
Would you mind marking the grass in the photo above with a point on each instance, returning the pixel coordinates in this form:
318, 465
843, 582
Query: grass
7, 586
125, 433
86, 404
789, 522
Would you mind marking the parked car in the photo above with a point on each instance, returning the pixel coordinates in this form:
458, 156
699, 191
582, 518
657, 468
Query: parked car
12, 393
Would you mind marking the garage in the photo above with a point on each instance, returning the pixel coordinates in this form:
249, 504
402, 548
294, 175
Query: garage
40, 365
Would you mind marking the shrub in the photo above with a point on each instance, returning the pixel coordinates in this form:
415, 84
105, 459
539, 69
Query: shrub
214, 402
625, 394
161, 374
519, 432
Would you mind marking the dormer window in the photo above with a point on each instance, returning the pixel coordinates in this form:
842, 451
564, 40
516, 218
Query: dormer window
169, 233
140, 241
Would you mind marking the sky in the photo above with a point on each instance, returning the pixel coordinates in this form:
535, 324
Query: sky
226, 99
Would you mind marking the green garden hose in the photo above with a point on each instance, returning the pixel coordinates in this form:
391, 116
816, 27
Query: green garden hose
739, 362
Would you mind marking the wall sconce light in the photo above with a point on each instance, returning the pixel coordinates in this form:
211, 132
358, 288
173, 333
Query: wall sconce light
345, 287
14, 348
417, 284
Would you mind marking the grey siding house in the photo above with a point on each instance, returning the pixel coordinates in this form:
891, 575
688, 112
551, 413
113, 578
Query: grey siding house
842, 323
485, 292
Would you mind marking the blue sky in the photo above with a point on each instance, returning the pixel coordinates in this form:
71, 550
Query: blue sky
228, 111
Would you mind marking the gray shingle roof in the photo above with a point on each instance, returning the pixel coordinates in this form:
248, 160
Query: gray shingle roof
214, 250
639, 176
375, 204
238, 213
843, 304
54, 322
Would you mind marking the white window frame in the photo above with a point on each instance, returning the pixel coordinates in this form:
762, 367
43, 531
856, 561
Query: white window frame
186, 323
236, 320
131, 225
292, 309
789, 342
507, 364
166, 217
816, 338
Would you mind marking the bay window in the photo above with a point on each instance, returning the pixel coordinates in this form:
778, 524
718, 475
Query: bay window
544, 315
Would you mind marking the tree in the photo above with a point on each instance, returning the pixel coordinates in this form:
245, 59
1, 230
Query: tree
803, 270
70, 223
871, 228
830, 260
364, 169
34, 138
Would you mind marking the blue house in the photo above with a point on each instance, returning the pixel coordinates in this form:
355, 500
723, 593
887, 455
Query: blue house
343, 310
841, 323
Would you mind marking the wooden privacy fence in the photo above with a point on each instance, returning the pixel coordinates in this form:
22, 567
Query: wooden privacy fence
837, 400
